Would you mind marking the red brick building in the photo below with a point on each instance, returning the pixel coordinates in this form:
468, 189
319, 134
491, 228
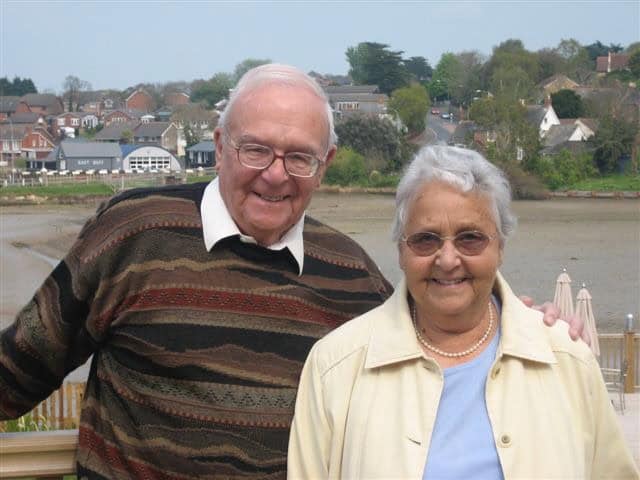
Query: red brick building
176, 98
141, 101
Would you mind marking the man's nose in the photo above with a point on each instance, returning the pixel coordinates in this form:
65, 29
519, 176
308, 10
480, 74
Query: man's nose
276, 172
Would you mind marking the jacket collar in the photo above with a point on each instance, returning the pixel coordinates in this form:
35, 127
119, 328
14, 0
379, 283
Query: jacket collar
393, 338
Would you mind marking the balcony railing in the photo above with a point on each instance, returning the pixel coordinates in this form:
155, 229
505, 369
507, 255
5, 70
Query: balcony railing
44, 455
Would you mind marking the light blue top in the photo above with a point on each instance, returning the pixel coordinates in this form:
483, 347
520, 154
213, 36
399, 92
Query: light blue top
462, 443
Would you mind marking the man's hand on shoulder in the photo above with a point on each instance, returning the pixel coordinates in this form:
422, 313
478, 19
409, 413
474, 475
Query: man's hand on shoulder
552, 314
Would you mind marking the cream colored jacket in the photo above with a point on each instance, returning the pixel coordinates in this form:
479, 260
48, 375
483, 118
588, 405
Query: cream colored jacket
368, 399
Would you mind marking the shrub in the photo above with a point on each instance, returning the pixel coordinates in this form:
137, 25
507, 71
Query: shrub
347, 168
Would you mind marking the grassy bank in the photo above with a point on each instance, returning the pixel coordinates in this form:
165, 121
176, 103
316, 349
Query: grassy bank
71, 192
608, 184
66, 190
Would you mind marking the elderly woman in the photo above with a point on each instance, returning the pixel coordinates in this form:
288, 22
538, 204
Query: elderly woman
454, 377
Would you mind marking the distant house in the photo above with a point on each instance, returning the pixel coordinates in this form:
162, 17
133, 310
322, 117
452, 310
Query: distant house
69, 120
197, 117
23, 140
353, 99
554, 84
8, 104
37, 143
140, 100
89, 120
10, 143
571, 135
114, 132
148, 157
117, 116
164, 134
612, 62
43, 103
543, 117
174, 99
79, 155
201, 154
29, 118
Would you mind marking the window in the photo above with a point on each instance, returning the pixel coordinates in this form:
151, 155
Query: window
75, 122
61, 122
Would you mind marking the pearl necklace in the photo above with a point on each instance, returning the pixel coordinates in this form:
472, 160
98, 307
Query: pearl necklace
463, 353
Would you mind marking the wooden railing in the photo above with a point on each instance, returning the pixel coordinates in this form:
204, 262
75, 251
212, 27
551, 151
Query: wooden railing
620, 350
44, 455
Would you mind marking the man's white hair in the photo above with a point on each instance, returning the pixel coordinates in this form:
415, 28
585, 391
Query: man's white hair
279, 74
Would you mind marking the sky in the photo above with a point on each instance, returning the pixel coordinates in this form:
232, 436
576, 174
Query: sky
118, 44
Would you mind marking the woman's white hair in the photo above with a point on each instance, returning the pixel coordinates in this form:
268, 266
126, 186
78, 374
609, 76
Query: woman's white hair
276, 73
463, 169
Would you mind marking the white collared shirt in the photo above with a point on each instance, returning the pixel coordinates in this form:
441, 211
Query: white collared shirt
217, 224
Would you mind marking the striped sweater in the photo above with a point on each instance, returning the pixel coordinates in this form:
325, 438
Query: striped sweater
196, 354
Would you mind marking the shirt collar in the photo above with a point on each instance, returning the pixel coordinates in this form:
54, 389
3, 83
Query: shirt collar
218, 224
393, 338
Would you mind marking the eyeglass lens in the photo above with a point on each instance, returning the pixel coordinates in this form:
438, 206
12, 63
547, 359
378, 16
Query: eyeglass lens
260, 156
467, 243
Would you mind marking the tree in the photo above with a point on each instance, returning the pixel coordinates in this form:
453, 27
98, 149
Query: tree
550, 62
512, 54
634, 63
72, 87
191, 135
411, 105
374, 64
126, 137
513, 83
383, 147
419, 68
613, 140
577, 63
505, 118
16, 87
567, 104
213, 90
246, 65
445, 77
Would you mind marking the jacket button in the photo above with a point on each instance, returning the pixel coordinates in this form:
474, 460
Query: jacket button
505, 441
495, 372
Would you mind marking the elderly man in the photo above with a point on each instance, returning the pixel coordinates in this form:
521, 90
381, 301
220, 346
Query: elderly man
199, 302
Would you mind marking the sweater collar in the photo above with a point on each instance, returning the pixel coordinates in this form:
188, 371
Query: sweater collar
217, 224
393, 337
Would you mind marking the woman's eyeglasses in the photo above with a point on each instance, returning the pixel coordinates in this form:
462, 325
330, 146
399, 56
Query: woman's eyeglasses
468, 243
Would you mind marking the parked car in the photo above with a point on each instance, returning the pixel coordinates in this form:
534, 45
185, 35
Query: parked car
435, 111
445, 115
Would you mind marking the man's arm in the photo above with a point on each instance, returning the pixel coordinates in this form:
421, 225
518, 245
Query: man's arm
48, 338
552, 314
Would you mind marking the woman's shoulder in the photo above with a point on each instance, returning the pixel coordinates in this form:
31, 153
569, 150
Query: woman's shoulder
346, 342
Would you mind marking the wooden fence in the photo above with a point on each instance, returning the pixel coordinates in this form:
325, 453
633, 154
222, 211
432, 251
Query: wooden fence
61, 411
620, 350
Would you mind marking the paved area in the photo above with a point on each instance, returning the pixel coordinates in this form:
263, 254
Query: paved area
630, 421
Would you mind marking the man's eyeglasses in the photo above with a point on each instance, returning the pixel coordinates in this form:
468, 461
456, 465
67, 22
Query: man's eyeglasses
467, 243
260, 157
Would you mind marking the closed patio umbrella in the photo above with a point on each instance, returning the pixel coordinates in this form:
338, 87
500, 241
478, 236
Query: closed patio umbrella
584, 310
563, 298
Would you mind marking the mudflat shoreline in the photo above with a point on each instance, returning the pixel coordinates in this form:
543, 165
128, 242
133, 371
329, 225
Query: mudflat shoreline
597, 240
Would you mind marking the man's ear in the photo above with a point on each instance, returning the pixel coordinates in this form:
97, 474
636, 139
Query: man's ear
327, 162
330, 156
217, 139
